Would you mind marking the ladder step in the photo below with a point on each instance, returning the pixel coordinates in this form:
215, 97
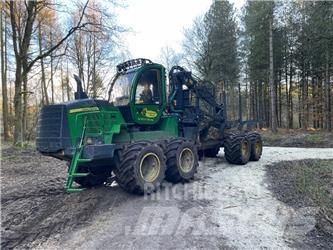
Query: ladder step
75, 162
72, 190
79, 174
84, 160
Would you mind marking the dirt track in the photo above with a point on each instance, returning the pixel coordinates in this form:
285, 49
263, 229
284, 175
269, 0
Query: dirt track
224, 207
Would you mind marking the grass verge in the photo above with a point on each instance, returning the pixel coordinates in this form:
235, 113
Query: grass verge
298, 138
307, 183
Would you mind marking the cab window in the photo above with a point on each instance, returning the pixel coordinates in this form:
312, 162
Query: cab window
121, 89
148, 90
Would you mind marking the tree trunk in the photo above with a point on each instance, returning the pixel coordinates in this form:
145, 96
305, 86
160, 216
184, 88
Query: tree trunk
328, 95
252, 101
52, 70
259, 101
247, 104
67, 84
315, 101
307, 111
240, 113
18, 101
21, 45
18, 75
52, 84
271, 79
256, 101
287, 96
314, 116
302, 106
10, 101
62, 83
46, 100
51, 76
280, 98
290, 99
276, 103
320, 103
94, 82
265, 108
25, 100
5, 115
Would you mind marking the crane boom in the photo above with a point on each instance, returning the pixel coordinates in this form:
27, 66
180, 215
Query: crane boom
193, 99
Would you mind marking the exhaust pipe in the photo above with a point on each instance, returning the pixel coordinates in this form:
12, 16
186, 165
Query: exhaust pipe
79, 94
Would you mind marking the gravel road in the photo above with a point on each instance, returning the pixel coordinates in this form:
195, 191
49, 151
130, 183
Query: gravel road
226, 206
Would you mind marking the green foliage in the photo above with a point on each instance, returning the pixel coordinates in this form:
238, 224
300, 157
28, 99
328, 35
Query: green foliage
222, 30
316, 36
256, 24
212, 44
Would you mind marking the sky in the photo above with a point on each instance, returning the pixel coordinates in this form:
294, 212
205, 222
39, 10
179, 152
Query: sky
159, 23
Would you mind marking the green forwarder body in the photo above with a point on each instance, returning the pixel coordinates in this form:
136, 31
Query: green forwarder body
106, 130
107, 127
139, 135
89, 133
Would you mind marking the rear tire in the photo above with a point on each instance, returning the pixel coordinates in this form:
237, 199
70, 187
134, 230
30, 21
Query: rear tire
256, 145
237, 149
182, 160
141, 167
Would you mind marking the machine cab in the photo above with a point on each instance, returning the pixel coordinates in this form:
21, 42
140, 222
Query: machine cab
139, 91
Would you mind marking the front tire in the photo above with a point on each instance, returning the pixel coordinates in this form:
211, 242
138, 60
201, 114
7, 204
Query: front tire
182, 160
237, 149
141, 168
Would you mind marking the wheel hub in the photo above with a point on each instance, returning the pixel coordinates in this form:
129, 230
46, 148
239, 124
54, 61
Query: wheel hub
186, 160
258, 147
244, 148
150, 167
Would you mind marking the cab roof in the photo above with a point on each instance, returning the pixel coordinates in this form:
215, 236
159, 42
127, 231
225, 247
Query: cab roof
130, 65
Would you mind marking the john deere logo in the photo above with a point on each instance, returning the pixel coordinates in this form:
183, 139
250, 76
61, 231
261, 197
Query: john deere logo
148, 113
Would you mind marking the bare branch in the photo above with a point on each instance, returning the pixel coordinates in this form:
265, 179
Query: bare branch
69, 33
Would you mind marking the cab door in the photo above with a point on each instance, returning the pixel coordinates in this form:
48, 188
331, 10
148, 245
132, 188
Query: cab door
148, 96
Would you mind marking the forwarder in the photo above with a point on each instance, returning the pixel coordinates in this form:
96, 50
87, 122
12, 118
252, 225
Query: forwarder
141, 135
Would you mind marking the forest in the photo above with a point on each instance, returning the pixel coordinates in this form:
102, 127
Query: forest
271, 61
